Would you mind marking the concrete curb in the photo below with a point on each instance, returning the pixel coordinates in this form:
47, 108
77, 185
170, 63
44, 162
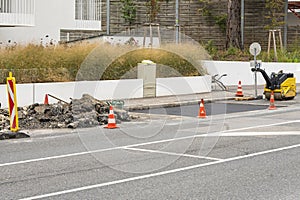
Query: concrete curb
6, 134
193, 101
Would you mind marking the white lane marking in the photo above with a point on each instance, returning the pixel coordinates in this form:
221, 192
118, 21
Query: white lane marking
264, 125
159, 173
57, 157
171, 153
237, 134
219, 134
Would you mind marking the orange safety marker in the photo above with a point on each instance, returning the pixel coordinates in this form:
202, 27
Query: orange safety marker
111, 119
12, 103
239, 92
272, 102
202, 112
46, 101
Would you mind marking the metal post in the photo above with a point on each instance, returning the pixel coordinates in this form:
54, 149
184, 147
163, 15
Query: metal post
242, 22
177, 22
285, 24
151, 36
107, 17
145, 34
255, 73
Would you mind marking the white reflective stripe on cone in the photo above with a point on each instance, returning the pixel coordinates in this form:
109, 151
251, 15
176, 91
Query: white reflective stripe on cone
111, 121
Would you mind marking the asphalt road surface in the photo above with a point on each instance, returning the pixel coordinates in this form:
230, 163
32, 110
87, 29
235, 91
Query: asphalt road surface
244, 155
216, 108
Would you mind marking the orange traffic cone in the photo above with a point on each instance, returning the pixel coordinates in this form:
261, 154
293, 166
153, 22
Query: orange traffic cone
202, 112
272, 104
111, 119
46, 102
239, 92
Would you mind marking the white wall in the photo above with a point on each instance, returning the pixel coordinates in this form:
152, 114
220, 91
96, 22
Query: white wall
183, 85
24, 95
104, 90
241, 71
50, 17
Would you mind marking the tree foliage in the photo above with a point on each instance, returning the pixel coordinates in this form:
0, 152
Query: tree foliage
207, 10
206, 7
275, 13
153, 9
129, 11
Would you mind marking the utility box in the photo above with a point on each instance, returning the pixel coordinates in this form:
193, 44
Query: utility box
147, 72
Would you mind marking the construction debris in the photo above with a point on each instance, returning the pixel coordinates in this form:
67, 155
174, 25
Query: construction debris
79, 113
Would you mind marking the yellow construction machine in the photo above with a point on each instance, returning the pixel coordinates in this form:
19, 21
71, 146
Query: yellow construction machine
282, 84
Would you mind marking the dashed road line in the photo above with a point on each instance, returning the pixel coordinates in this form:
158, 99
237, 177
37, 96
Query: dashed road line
172, 154
262, 126
274, 133
221, 133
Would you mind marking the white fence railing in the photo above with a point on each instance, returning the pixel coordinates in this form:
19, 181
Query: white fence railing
16, 19
88, 24
17, 12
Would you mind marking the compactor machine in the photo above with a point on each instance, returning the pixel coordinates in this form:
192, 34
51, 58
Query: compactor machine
282, 84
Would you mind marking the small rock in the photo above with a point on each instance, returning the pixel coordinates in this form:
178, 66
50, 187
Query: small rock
72, 125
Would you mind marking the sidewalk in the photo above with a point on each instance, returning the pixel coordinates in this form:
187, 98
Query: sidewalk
170, 101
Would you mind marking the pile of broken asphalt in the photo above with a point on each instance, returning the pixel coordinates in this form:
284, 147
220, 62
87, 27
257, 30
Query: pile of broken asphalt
79, 113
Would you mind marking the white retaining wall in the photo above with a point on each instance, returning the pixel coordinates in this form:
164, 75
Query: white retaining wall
183, 85
241, 71
105, 90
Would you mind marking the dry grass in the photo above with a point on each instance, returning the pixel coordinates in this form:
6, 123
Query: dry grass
84, 61
109, 62
35, 63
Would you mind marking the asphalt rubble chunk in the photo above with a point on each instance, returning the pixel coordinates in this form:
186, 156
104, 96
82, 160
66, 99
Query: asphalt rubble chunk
79, 113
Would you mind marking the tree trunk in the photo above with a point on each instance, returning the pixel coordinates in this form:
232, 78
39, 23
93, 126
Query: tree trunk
233, 32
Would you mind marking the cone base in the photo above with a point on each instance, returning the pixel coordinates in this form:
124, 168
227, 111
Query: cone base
202, 117
239, 95
111, 126
272, 108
